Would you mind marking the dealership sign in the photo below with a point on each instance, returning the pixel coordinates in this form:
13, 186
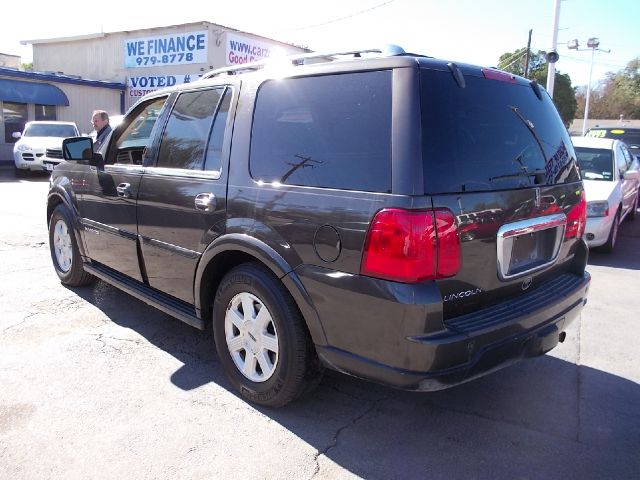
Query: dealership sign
140, 86
176, 49
245, 49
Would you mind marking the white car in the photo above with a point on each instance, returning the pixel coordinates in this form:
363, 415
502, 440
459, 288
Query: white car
35, 139
611, 177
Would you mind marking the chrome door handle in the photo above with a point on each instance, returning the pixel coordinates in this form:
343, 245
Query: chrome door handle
205, 202
124, 190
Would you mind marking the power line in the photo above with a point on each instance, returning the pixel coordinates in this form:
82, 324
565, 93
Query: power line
355, 14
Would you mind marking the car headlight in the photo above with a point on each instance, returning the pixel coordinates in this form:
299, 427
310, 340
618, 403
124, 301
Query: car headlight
23, 147
597, 209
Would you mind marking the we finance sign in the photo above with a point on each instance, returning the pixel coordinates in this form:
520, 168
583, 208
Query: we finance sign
176, 49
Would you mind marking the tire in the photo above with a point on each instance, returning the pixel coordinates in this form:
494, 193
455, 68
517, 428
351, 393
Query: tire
265, 351
613, 235
631, 216
64, 250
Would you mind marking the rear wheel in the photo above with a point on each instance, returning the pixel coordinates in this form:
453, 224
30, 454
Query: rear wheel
613, 235
64, 250
261, 339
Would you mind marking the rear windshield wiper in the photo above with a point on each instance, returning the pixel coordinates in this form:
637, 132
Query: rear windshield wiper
538, 174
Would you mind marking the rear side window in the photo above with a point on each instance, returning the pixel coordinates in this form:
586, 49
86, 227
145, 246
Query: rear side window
491, 135
330, 131
187, 131
595, 163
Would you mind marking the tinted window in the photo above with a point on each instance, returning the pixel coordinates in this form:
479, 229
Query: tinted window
135, 138
491, 135
185, 136
595, 163
216, 139
630, 137
330, 131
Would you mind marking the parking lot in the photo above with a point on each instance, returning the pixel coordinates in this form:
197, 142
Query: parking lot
96, 384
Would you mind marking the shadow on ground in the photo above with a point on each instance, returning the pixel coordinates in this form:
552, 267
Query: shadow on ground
542, 418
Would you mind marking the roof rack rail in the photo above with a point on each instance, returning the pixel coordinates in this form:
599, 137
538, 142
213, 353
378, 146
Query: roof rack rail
300, 59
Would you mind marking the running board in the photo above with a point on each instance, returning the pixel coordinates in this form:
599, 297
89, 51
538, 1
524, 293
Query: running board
169, 305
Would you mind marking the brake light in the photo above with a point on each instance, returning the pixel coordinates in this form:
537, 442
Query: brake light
577, 219
411, 245
491, 74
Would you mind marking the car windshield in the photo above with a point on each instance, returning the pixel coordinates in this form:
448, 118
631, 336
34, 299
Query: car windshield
50, 130
630, 137
595, 163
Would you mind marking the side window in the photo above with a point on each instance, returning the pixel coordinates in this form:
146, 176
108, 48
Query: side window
621, 161
185, 137
216, 139
136, 137
330, 131
627, 156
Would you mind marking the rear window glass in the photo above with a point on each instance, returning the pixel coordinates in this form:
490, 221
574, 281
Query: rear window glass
50, 130
491, 135
595, 163
330, 131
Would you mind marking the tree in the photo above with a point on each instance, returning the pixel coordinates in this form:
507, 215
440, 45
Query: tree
27, 67
563, 94
618, 94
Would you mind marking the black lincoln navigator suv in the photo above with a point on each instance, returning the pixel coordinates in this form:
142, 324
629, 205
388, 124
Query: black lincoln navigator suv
399, 218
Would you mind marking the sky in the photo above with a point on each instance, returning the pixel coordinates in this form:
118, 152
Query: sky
469, 31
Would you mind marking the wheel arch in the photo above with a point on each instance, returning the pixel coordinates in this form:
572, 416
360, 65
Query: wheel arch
59, 196
228, 251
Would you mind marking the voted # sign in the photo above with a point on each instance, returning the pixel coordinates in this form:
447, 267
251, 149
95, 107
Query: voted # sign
140, 86
176, 49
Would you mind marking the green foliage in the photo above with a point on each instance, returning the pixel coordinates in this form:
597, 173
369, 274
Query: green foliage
618, 94
27, 67
563, 94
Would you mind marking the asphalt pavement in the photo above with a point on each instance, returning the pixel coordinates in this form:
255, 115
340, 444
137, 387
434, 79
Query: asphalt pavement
97, 385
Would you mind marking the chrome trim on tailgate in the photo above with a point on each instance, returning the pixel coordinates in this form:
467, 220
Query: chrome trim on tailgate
509, 232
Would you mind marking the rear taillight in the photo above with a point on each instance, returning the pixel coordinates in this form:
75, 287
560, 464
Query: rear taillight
411, 245
577, 219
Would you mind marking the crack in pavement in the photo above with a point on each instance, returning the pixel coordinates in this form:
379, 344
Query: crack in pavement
334, 442
6, 329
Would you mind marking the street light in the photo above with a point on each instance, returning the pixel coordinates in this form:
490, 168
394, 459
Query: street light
593, 44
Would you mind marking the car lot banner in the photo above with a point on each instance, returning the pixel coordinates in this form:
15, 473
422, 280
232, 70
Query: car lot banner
140, 86
246, 49
175, 49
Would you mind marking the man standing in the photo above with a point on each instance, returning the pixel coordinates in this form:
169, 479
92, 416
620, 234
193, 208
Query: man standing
100, 120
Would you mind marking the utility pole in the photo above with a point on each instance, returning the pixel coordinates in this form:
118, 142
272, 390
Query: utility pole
526, 62
552, 56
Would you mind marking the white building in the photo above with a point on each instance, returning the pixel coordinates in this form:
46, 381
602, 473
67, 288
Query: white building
122, 67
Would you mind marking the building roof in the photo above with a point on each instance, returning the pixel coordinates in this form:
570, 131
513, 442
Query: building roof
59, 78
105, 34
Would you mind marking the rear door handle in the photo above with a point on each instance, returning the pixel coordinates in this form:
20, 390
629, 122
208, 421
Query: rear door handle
205, 202
124, 190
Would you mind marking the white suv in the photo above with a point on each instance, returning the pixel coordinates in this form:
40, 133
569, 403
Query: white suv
611, 177
35, 139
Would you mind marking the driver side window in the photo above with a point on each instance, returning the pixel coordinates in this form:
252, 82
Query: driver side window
136, 137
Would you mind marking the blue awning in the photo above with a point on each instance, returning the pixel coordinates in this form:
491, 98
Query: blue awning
32, 92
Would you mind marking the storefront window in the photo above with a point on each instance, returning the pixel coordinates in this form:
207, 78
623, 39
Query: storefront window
45, 112
15, 117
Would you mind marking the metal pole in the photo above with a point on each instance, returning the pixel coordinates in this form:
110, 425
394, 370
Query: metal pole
526, 62
551, 72
586, 105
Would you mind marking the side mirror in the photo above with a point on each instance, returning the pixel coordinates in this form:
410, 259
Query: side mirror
16, 135
77, 148
80, 149
631, 174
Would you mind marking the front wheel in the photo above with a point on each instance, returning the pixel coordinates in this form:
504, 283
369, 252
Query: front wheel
64, 250
613, 235
261, 339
